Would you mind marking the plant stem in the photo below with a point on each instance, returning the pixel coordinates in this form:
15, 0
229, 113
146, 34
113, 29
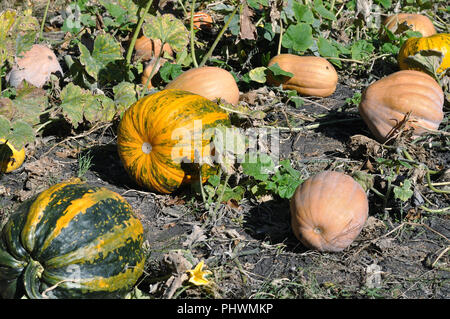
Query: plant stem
219, 200
137, 30
436, 211
43, 20
202, 190
144, 91
219, 36
311, 126
194, 59
182, 6
281, 36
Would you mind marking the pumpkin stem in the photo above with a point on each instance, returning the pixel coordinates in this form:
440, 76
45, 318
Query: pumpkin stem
31, 279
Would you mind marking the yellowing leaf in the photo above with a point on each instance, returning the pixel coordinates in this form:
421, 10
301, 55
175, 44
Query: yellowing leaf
168, 29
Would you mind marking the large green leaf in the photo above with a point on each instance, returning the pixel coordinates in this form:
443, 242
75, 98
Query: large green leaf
18, 133
298, 37
21, 134
99, 108
168, 29
73, 99
106, 50
29, 103
124, 96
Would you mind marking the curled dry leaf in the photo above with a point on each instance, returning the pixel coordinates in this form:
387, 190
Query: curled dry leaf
35, 67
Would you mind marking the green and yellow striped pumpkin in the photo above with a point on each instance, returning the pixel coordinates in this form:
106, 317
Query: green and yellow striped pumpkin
162, 135
71, 241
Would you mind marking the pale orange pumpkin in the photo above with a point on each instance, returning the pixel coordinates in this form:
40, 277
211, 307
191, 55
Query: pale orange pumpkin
328, 211
148, 71
385, 103
414, 21
208, 81
146, 49
34, 66
313, 76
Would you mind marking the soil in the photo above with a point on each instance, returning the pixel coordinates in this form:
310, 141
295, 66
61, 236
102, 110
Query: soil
402, 251
250, 248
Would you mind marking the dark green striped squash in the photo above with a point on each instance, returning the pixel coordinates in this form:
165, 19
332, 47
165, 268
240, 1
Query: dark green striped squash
159, 138
71, 241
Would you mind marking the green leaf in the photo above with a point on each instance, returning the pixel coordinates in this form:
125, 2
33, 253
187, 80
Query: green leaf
24, 42
385, 3
322, 11
259, 166
98, 108
293, 96
29, 103
303, 13
106, 50
361, 50
403, 192
168, 29
298, 37
326, 49
258, 74
277, 71
426, 60
73, 99
124, 96
170, 71
21, 133
5, 127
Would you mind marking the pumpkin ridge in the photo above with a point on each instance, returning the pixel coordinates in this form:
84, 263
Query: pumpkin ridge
77, 206
36, 213
105, 243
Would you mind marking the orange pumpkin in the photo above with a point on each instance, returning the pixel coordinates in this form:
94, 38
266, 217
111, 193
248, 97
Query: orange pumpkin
147, 48
328, 211
202, 20
313, 76
34, 66
385, 103
148, 70
157, 138
415, 22
208, 81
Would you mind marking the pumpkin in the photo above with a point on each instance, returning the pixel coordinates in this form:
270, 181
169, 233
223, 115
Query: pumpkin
10, 158
35, 67
414, 21
439, 42
71, 241
202, 20
328, 211
313, 76
208, 81
159, 135
148, 71
147, 48
385, 103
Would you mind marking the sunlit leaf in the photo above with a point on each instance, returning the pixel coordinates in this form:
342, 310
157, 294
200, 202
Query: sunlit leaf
73, 99
298, 37
168, 29
124, 96
258, 74
106, 50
